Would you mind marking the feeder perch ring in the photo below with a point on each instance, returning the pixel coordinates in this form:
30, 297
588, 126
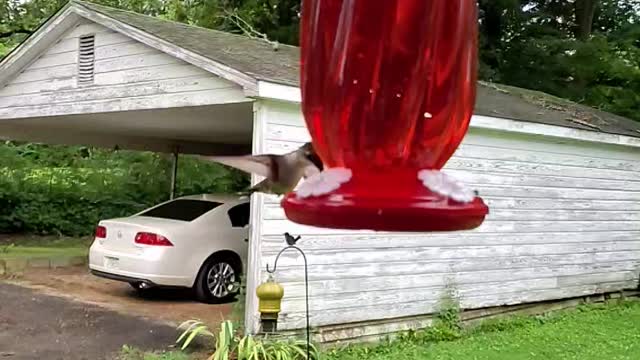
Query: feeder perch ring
445, 185
324, 183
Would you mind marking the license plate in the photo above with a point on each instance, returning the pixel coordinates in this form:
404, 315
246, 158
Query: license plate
111, 262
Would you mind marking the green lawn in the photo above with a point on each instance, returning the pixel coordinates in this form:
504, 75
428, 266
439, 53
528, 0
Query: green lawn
601, 331
38, 252
38, 246
45, 241
594, 332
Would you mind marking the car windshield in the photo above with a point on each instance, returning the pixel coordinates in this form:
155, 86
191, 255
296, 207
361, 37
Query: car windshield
182, 209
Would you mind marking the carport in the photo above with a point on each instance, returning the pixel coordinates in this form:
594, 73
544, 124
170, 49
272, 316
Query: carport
97, 76
216, 129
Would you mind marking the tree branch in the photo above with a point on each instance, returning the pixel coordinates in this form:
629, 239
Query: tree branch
247, 29
10, 33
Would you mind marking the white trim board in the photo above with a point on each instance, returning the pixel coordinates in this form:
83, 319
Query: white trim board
273, 91
254, 258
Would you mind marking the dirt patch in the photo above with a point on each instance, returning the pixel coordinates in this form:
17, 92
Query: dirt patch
168, 306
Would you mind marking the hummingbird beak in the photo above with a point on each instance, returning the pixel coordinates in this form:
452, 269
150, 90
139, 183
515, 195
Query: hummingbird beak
310, 154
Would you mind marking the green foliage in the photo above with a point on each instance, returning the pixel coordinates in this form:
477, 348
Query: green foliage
230, 345
446, 326
12, 251
238, 307
536, 45
131, 353
192, 329
589, 332
67, 190
4, 249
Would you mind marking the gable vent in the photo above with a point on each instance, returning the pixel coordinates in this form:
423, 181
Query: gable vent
86, 59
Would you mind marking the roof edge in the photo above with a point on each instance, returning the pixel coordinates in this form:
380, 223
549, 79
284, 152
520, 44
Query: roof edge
26, 51
554, 131
287, 93
277, 91
70, 13
247, 82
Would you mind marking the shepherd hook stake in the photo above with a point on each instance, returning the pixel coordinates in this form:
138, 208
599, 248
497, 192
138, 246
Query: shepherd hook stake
291, 244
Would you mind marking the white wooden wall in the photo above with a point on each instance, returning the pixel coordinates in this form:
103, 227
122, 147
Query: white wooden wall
128, 76
564, 222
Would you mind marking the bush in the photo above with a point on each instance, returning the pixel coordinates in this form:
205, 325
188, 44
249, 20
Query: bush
67, 190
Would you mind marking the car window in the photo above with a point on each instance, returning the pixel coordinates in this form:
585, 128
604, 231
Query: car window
239, 215
182, 209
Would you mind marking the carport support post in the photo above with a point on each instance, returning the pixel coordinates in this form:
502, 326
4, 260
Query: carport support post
174, 173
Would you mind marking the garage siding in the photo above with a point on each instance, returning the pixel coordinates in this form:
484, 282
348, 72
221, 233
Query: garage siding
564, 222
128, 75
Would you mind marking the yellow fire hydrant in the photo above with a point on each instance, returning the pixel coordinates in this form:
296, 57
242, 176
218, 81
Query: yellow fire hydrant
270, 295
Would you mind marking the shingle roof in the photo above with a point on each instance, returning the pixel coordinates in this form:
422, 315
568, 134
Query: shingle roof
533, 106
257, 59
252, 57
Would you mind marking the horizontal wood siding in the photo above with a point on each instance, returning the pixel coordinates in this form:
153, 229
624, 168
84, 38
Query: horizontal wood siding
128, 76
564, 222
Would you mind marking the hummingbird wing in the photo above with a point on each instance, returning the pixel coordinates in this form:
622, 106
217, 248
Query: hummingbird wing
261, 165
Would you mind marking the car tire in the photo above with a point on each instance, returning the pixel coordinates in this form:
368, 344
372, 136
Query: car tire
214, 279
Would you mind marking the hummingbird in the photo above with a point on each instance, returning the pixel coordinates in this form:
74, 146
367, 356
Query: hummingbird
282, 172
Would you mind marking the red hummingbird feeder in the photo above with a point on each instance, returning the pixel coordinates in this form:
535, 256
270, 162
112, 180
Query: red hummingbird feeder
388, 91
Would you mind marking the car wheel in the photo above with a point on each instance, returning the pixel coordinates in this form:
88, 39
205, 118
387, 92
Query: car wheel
218, 280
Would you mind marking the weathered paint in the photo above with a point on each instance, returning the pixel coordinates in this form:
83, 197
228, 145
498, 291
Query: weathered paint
129, 75
564, 222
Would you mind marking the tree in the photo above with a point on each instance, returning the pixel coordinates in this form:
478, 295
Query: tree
585, 10
586, 51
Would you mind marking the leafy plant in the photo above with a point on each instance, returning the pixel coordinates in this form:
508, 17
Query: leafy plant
192, 328
224, 342
447, 325
230, 345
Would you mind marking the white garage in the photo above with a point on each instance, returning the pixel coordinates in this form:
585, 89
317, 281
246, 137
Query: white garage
562, 181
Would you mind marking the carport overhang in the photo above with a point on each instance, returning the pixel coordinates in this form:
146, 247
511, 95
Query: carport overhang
215, 126
223, 129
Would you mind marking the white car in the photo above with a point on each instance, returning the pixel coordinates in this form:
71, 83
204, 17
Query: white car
198, 242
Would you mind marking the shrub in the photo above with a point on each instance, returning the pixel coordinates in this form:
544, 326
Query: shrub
67, 190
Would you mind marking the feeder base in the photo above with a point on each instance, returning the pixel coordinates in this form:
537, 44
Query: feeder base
389, 201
